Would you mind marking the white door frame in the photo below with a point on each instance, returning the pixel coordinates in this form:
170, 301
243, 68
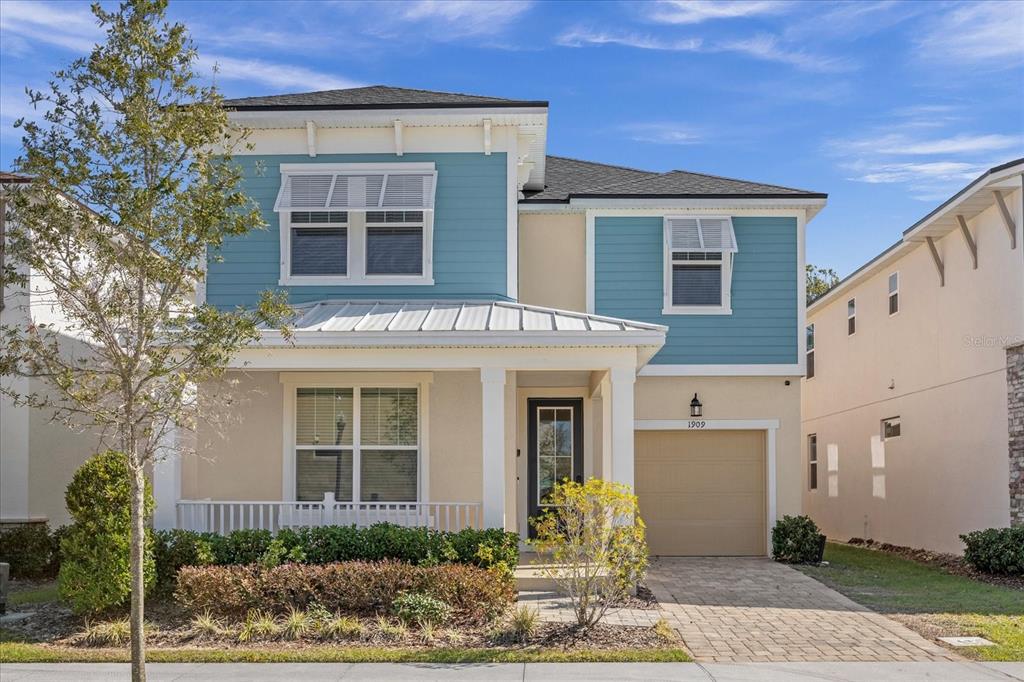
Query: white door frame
770, 428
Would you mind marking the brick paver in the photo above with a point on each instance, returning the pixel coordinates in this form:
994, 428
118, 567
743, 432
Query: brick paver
732, 609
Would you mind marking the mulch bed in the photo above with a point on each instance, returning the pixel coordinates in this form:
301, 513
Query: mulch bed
950, 563
168, 626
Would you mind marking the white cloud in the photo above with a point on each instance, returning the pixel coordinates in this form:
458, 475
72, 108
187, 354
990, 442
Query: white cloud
663, 133
698, 11
64, 26
461, 18
581, 37
767, 48
904, 145
982, 33
278, 76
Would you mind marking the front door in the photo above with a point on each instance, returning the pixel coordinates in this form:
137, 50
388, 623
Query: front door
555, 448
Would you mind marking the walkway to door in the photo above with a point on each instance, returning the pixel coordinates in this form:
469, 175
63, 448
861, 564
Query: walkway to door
731, 609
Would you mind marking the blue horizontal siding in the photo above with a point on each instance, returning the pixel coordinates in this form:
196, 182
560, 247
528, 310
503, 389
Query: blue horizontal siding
469, 256
629, 278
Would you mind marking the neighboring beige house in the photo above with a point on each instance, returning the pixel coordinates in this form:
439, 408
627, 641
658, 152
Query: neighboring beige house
913, 404
37, 455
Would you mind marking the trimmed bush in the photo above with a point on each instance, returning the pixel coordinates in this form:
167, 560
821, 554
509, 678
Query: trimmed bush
95, 563
996, 550
173, 549
796, 540
32, 551
414, 608
355, 587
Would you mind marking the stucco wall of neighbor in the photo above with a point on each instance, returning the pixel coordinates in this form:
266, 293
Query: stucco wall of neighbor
553, 260
737, 398
1015, 419
940, 365
762, 328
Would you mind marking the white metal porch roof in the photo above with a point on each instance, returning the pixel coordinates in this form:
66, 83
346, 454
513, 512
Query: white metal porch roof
361, 324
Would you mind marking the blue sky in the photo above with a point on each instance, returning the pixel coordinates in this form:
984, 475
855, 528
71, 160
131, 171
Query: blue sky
887, 106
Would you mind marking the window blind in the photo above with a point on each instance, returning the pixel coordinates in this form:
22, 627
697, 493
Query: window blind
319, 251
394, 250
696, 284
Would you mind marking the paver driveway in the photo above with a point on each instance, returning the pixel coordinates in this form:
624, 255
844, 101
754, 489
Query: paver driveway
734, 609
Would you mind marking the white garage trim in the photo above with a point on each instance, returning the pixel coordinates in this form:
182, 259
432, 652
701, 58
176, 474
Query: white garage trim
769, 426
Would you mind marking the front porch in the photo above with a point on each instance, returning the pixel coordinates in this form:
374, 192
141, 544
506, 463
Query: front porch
452, 428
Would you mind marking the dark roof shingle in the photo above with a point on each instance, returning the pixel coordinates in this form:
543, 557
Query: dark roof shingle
374, 97
567, 178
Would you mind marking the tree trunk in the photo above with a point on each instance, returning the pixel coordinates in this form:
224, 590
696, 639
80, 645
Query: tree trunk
138, 538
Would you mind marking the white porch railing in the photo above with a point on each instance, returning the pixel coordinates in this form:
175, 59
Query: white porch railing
226, 516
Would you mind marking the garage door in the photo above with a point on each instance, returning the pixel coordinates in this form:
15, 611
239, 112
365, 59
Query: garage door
702, 493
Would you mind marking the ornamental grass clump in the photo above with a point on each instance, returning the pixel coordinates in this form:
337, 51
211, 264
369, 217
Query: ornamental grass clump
593, 545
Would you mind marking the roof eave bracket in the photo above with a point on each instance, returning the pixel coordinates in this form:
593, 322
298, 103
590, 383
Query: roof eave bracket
1007, 218
939, 267
971, 245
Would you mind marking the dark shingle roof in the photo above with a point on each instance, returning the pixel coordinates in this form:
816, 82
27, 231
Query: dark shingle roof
374, 97
567, 178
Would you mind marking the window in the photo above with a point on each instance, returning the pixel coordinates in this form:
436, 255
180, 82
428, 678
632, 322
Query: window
894, 293
810, 351
812, 461
851, 317
890, 428
359, 444
356, 224
698, 265
319, 243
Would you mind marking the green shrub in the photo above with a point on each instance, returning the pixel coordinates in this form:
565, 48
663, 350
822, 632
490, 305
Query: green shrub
796, 540
95, 566
996, 550
356, 587
240, 546
32, 551
421, 609
173, 549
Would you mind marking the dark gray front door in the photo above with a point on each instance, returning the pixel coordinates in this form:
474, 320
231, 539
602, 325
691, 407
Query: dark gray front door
555, 447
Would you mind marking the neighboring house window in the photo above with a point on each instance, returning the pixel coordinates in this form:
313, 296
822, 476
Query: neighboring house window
851, 317
698, 265
894, 293
319, 241
890, 428
810, 351
356, 224
359, 444
812, 461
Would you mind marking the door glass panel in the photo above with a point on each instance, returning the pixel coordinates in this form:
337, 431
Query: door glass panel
554, 448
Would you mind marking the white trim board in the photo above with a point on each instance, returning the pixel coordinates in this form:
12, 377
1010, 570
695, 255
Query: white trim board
793, 370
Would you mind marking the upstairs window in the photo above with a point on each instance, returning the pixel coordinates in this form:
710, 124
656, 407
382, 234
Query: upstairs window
810, 351
356, 224
812, 461
894, 293
890, 428
698, 265
851, 317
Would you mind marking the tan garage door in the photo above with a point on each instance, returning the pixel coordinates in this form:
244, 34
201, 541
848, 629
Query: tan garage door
702, 493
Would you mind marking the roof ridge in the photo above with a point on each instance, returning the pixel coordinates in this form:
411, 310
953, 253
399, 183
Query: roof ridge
431, 92
605, 165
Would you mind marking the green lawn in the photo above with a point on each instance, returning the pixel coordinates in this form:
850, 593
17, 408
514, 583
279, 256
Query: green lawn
22, 652
890, 584
42, 593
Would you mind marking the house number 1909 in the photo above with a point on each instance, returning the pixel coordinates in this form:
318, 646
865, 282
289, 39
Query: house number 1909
697, 424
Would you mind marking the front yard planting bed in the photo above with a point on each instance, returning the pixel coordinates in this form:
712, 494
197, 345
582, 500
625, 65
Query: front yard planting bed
928, 599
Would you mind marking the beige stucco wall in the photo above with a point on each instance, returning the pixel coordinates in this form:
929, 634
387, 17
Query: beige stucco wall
552, 260
737, 398
940, 365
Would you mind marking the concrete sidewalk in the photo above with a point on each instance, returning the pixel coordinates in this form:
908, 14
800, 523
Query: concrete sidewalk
703, 672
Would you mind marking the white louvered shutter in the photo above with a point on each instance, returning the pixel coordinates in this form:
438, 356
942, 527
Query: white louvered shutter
357, 190
304, 191
717, 234
409, 191
684, 234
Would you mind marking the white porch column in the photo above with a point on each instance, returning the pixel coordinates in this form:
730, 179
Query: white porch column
622, 423
493, 448
167, 482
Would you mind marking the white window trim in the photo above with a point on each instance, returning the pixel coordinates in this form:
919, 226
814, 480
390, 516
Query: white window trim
292, 381
356, 267
851, 317
888, 299
808, 352
812, 488
725, 308
881, 425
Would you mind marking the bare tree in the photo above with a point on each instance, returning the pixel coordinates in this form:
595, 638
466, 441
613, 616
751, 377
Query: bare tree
133, 185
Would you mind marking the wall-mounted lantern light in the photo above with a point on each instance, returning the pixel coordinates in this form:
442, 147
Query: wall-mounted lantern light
696, 409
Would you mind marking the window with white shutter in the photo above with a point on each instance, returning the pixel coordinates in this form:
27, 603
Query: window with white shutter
698, 265
358, 224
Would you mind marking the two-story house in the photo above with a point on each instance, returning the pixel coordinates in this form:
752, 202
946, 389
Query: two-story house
476, 320
913, 406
